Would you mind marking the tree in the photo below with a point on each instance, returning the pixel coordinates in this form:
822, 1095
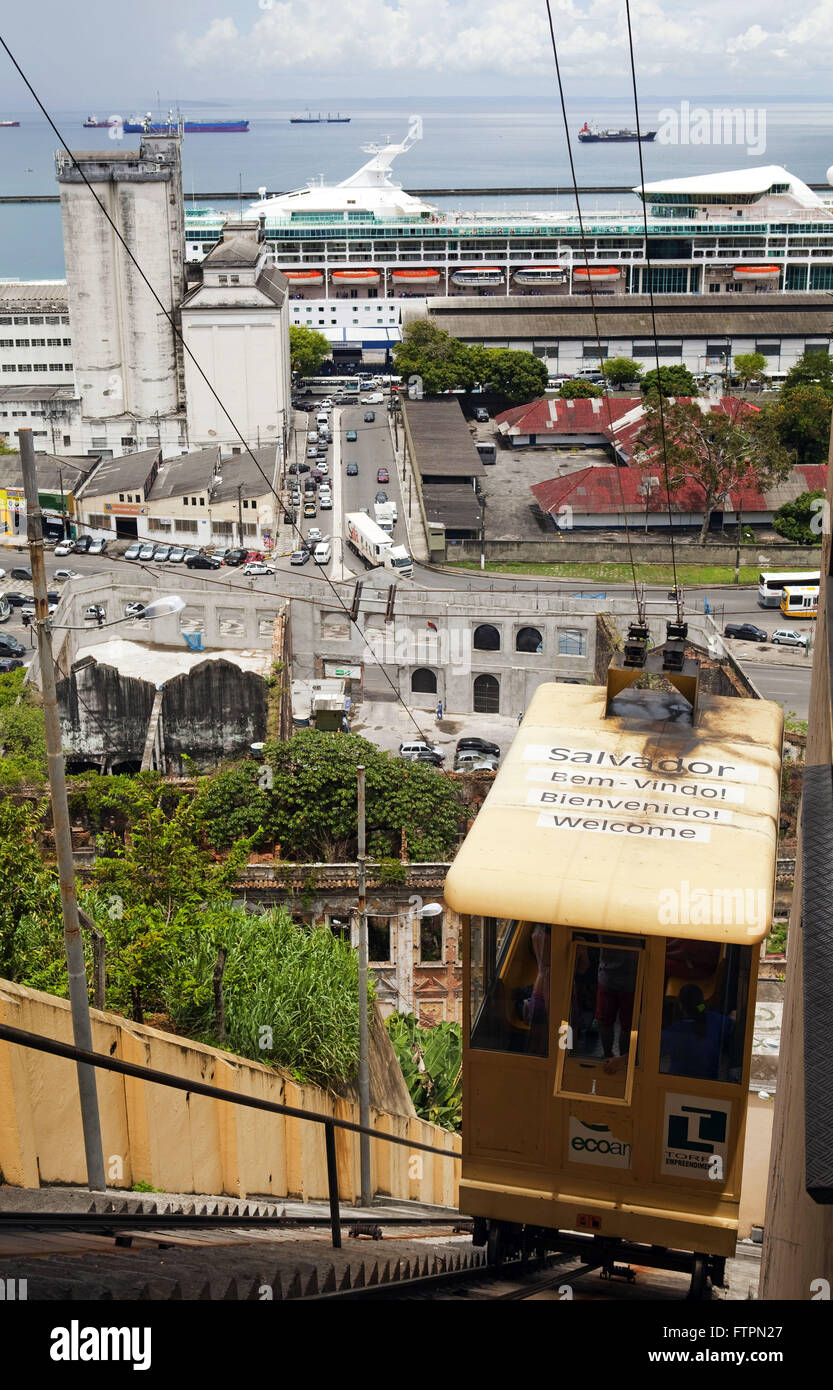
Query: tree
619, 371
813, 368
307, 349
441, 362
22, 738
577, 389
675, 380
517, 376
800, 521
716, 449
749, 367
802, 419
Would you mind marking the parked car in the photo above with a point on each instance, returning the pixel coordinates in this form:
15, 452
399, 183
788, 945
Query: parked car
14, 599
203, 562
369, 417
162, 553
352, 470
312, 436
220, 553
254, 555
82, 544
147, 552
97, 547
414, 746
425, 756
322, 553
21, 572
67, 574
481, 415
134, 610
177, 555
478, 745
299, 557
382, 475
745, 632
255, 567
10, 646
9, 663
788, 637
64, 548
132, 551
474, 762
296, 468
236, 556
190, 552
351, 436
95, 613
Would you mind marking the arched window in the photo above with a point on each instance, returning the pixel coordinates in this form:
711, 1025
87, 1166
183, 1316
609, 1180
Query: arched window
424, 682
529, 639
486, 695
486, 638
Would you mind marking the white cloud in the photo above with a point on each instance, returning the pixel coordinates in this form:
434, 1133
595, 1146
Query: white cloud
744, 43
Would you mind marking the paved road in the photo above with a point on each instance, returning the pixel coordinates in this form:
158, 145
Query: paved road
787, 685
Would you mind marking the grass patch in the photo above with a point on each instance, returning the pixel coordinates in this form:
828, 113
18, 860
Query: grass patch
610, 573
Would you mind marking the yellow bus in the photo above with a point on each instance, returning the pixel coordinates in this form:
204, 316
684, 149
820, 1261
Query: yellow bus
615, 890
800, 601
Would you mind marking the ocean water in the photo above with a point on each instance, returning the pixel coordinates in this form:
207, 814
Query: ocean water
465, 144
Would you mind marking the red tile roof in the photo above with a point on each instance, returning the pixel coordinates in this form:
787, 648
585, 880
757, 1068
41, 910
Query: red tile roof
600, 491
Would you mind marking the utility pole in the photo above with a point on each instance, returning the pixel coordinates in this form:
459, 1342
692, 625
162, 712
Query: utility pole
737, 550
73, 944
240, 510
364, 1044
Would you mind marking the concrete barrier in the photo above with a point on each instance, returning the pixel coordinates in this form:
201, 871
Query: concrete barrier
551, 550
178, 1142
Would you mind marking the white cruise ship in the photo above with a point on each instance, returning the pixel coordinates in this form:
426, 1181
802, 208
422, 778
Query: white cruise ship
353, 251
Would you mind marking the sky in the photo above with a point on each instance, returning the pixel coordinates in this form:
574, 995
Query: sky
99, 53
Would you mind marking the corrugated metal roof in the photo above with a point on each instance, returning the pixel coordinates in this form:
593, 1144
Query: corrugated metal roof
454, 504
610, 491
442, 442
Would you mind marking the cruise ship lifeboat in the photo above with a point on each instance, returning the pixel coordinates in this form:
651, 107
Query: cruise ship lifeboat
756, 272
354, 276
478, 275
420, 275
596, 274
539, 275
304, 277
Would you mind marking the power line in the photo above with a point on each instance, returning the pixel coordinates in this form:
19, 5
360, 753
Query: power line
178, 334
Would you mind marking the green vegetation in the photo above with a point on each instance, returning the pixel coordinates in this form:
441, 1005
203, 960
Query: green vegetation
794, 725
577, 389
610, 573
432, 1064
802, 419
21, 732
673, 380
748, 367
813, 368
776, 942
444, 364
621, 371
800, 521
307, 349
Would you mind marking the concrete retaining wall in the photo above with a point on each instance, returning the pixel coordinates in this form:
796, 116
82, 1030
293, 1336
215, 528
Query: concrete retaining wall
552, 551
179, 1142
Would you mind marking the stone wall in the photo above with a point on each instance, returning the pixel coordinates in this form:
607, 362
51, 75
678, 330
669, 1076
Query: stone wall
554, 550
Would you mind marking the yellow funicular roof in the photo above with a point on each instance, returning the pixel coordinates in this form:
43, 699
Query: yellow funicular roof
635, 822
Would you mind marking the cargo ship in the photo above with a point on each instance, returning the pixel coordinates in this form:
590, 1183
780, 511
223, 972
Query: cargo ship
9, 123
592, 135
329, 119
138, 125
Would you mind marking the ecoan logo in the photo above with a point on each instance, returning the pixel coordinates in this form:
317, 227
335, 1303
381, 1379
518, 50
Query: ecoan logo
597, 1144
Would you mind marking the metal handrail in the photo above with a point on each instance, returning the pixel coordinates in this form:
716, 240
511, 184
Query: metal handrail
21, 1038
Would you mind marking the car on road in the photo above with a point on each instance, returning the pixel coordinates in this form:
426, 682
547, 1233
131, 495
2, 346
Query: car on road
326, 502
352, 470
64, 548
97, 547
381, 496
312, 437
21, 572
9, 663
132, 551
382, 475
788, 637
67, 574
323, 469
351, 436
315, 534
147, 552
134, 610
312, 451
414, 746
481, 415
745, 632
375, 398
177, 555
299, 557
478, 745
82, 544
369, 417
255, 567
296, 468
310, 509
203, 562
322, 553
162, 553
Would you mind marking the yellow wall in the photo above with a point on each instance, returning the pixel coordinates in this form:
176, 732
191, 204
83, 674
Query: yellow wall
184, 1143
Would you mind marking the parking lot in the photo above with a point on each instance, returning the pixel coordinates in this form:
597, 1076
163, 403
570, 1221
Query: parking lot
506, 485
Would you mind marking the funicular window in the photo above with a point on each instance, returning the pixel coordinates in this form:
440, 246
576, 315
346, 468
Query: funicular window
601, 1022
510, 986
705, 1004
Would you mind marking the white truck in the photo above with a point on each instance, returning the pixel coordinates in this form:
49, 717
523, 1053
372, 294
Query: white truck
385, 514
374, 546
